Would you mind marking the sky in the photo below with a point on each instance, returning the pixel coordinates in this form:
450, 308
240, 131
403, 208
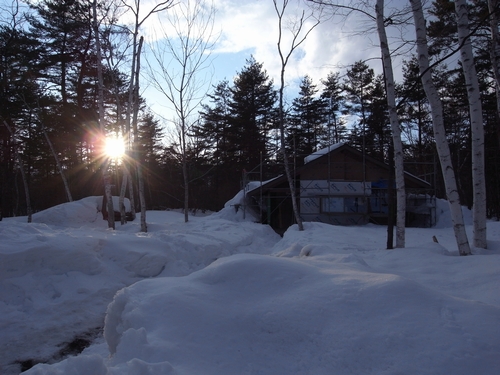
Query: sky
225, 295
250, 28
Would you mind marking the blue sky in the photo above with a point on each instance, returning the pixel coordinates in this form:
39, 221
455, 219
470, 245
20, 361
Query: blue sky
251, 28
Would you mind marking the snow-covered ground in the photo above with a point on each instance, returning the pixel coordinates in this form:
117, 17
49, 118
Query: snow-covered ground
223, 295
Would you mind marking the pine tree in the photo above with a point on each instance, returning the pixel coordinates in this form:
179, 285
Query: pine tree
333, 95
151, 150
253, 116
216, 141
308, 119
64, 28
214, 129
377, 132
365, 99
19, 94
414, 113
416, 127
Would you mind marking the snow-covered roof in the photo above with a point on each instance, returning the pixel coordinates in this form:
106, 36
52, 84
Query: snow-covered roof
322, 152
252, 185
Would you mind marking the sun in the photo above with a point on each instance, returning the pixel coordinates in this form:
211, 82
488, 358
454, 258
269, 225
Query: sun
114, 147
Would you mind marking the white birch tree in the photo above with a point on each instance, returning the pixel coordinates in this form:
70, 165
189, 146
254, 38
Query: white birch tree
182, 57
439, 130
344, 10
137, 156
396, 130
476, 118
133, 94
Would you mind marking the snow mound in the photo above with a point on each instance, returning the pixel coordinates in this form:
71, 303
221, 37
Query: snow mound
57, 280
252, 314
235, 210
444, 216
77, 213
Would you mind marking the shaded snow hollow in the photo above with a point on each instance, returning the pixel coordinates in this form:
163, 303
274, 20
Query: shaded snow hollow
223, 295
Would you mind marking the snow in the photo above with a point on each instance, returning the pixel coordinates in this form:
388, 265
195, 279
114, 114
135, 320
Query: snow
322, 152
224, 295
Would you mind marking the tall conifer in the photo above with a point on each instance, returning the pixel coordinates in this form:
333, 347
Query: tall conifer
253, 115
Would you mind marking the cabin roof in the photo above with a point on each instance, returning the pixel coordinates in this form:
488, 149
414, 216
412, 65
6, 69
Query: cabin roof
320, 155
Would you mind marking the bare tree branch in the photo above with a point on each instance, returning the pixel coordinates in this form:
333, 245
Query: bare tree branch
299, 34
177, 70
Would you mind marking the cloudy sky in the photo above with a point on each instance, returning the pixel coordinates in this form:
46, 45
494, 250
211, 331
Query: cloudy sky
251, 28
246, 28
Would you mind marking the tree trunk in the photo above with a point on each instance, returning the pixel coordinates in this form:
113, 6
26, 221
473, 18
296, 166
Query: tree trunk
58, 163
476, 118
129, 140
185, 174
298, 25
125, 171
291, 180
138, 158
439, 131
396, 131
132, 195
20, 165
105, 173
121, 199
390, 198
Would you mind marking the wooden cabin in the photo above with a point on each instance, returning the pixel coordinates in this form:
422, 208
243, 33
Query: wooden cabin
342, 186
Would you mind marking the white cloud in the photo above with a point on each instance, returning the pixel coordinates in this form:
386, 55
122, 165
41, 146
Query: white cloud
253, 27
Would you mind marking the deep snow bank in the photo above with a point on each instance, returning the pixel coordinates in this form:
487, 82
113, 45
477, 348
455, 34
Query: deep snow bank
265, 315
83, 212
59, 273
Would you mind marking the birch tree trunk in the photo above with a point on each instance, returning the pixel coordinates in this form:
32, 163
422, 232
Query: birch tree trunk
121, 198
138, 157
20, 165
476, 118
291, 180
185, 174
439, 131
128, 120
105, 172
396, 131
